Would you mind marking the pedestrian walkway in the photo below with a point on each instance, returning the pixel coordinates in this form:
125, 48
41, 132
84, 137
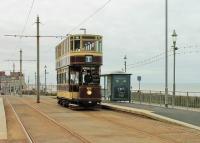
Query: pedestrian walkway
3, 128
187, 116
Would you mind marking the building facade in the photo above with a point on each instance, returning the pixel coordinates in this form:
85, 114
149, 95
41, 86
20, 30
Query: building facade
10, 84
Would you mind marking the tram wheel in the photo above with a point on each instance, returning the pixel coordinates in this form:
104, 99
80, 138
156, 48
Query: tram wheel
59, 101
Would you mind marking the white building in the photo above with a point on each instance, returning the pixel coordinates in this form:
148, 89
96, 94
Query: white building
10, 84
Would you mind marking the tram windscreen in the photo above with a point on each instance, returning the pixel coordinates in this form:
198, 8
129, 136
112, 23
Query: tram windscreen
90, 75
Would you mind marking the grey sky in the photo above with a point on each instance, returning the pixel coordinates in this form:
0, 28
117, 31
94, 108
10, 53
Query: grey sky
131, 27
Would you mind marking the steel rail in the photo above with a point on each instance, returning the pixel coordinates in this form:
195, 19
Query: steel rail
28, 135
102, 118
76, 135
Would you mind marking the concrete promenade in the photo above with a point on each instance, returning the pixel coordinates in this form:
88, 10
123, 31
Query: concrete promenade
3, 128
186, 116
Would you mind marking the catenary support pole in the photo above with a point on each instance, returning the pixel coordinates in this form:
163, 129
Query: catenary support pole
38, 60
20, 74
166, 53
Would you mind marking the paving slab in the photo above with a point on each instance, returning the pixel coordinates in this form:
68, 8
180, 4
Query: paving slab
185, 116
3, 127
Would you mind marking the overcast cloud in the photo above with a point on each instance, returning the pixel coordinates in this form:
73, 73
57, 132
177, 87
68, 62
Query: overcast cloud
131, 27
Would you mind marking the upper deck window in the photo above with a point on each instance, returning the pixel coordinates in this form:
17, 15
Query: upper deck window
71, 45
77, 45
99, 46
89, 45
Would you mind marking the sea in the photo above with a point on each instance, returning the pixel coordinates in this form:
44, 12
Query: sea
180, 87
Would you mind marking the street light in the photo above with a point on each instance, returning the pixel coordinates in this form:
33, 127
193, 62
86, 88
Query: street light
174, 37
166, 53
125, 58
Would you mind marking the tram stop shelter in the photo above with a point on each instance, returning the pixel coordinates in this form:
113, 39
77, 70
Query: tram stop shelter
116, 86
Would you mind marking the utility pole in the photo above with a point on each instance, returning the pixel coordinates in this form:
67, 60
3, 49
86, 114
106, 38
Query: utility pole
166, 53
38, 59
45, 82
13, 68
14, 85
35, 80
174, 36
20, 76
28, 85
125, 58
38, 53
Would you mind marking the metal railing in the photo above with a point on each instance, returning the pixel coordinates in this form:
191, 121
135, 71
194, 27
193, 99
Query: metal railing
182, 99
31, 89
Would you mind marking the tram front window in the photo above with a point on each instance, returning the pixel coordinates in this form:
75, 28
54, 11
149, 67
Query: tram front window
89, 45
90, 75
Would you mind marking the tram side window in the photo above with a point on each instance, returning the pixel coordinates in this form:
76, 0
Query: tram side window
74, 77
61, 78
100, 46
77, 45
66, 77
58, 79
71, 45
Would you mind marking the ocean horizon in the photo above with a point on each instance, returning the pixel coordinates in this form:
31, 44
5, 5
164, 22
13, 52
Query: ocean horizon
183, 87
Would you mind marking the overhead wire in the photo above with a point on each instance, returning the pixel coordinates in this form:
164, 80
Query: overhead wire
159, 57
27, 17
90, 16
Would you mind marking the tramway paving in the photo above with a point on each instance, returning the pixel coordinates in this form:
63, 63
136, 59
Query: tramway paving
15, 131
40, 128
109, 126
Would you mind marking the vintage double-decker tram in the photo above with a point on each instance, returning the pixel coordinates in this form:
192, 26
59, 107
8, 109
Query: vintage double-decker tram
78, 62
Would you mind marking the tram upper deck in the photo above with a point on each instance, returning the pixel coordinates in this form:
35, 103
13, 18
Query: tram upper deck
79, 49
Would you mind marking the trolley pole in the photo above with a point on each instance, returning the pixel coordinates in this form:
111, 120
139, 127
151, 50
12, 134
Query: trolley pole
20, 74
166, 53
38, 60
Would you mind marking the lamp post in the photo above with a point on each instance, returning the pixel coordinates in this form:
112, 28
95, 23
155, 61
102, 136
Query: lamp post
174, 37
166, 53
125, 58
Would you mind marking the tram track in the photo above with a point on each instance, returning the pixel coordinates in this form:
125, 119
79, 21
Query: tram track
27, 134
62, 127
118, 123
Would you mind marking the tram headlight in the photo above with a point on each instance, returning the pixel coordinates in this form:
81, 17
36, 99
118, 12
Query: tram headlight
89, 91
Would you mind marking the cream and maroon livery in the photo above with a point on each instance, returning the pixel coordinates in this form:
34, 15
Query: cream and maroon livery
78, 62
